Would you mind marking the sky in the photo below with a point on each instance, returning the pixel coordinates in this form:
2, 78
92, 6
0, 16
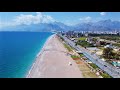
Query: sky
69, 18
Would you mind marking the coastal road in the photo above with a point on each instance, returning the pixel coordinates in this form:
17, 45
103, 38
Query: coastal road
53, 62
111, 70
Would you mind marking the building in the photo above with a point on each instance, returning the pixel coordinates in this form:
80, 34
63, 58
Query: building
98, 43
86, 34
116, 63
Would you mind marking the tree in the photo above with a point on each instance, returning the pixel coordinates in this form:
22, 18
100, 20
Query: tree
94, 40
75, 43
117, 56
108, 53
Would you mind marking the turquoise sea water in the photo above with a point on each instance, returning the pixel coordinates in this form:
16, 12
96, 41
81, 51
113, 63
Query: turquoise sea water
18, 51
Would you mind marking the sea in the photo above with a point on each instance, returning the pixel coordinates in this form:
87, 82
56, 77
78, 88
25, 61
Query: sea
18, 51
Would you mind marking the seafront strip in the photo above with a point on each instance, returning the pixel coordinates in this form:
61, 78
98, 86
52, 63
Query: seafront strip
53, 62
40, 52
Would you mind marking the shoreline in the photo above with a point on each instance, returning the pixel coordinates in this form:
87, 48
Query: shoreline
39, 53
53, 62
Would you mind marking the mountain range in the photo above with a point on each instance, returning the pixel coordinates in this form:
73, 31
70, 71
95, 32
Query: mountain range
103, 25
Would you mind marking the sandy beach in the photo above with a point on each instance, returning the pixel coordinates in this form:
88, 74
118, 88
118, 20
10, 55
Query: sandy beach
53, 62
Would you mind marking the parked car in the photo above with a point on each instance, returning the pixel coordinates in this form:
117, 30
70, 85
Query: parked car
105, 65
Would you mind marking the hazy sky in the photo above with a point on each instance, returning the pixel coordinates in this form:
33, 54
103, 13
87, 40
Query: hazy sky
69, 18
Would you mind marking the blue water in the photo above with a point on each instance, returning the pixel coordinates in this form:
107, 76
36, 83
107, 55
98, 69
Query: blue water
18, 51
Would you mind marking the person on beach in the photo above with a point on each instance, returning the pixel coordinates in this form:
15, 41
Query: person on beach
70, 64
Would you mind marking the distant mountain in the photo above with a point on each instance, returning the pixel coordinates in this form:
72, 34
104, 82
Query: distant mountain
39, 27
103, 25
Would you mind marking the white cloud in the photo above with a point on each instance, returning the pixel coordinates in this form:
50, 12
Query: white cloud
32, 19
86, 19
28, 20
103, 13
4, 24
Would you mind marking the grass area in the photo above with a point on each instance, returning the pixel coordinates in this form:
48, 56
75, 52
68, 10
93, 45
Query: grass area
84, 44
82, 38
93, 65
117, 44
86, 70
74, 57
102, 48
81, 55
89, 75
68, 47
62, 38
105, 75
114, 38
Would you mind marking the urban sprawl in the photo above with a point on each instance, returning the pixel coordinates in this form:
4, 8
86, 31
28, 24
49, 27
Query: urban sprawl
100, 50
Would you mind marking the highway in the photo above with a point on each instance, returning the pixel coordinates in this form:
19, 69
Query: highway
111, 70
